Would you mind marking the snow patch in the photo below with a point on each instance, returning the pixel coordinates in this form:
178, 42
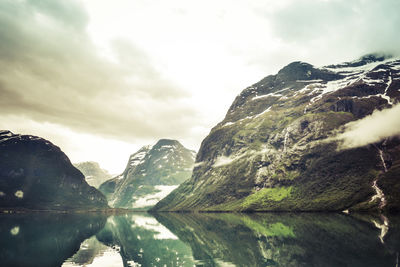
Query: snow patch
168, 146
137, 158
267, 95
228, 124
309, 81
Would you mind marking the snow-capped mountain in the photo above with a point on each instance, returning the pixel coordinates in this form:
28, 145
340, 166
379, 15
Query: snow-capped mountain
151, 174
94, 175
277, 149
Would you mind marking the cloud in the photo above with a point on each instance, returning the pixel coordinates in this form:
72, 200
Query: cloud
137, 71
371, 129
328, 31
52, 72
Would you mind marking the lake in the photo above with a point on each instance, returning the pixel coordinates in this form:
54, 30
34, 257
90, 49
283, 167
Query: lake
205, 239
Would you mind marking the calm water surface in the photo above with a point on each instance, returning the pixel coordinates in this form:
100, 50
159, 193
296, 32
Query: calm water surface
217, 239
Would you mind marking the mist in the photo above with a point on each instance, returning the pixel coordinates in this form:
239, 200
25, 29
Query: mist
371, 129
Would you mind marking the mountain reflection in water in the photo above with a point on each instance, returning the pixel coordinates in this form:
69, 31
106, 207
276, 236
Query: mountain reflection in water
205, 239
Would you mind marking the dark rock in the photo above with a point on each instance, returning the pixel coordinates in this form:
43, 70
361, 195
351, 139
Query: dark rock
35, 174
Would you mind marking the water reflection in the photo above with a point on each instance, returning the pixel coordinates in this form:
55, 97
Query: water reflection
218, 239
286, 239
44, 239
144, 241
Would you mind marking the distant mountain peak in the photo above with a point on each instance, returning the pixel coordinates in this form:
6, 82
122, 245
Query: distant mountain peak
94, 174
151, 172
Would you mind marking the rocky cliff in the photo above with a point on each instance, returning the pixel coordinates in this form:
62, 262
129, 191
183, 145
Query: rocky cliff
35, 174
151, 173
276, 149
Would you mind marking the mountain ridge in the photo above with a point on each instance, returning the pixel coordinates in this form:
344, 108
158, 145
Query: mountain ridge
35, 174
277, 138
150, 174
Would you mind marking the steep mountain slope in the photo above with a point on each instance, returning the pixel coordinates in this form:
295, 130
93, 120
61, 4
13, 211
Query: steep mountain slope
35, 174
151, 173
276, 148
94, 175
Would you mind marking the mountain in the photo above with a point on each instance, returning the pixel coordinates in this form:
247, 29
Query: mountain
277, 148
94, 175
35, 174
151, 173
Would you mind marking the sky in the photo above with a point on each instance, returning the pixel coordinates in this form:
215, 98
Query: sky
102, 78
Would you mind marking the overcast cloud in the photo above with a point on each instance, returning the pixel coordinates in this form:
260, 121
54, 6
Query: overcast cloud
126, 73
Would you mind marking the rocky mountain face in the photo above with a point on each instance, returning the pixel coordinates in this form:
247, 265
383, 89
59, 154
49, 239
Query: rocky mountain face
151, 174
35, 174
276, 148
94, 175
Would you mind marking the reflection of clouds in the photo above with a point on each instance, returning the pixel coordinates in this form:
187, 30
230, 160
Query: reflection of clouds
150, 223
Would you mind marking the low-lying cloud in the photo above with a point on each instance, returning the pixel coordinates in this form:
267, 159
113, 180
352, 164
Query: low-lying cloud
371, 129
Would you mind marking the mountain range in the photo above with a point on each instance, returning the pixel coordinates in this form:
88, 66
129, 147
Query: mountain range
151, 173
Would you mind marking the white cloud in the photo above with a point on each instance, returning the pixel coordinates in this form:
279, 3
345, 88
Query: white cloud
371, 129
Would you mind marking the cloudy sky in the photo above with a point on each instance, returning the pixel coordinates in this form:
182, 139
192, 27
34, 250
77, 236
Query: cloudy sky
102, 78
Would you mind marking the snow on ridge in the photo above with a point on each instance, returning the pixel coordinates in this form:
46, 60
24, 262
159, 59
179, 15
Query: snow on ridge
275, 94
137, 158
248, 117
310, 81
363, 68
262, 113
168, 146
267, 95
